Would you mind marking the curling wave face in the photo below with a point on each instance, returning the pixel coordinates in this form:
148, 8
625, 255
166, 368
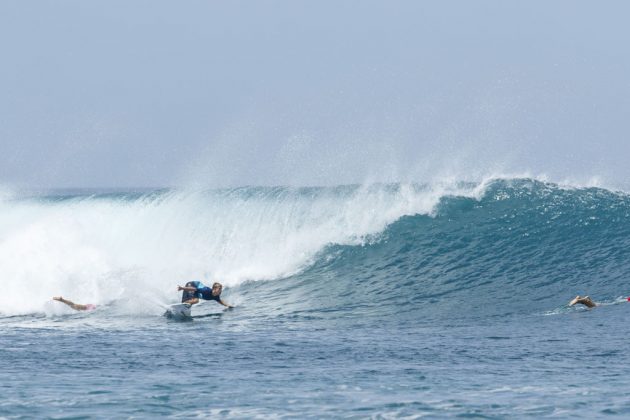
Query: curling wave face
521, 247
444, 250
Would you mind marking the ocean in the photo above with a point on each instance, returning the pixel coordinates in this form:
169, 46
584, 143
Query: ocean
357, 301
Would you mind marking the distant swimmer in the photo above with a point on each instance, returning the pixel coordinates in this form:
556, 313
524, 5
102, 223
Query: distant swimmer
584, 300
195, 290
75, 306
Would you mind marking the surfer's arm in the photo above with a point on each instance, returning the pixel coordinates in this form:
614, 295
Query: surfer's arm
75, 306
224, 304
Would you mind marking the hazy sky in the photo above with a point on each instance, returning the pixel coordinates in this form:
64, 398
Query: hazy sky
156, 93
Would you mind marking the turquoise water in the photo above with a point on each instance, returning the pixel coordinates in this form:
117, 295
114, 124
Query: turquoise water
352, 302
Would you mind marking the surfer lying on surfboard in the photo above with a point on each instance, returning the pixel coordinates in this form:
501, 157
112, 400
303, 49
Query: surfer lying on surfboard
584, 300
195, 290
75, 306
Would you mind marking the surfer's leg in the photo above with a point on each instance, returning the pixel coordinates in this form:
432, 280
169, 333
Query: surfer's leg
187, 296
191, 301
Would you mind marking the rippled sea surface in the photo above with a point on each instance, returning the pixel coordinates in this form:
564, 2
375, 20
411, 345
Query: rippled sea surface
239, 365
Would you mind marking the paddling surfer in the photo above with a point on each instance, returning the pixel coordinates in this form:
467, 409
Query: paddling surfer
584, 300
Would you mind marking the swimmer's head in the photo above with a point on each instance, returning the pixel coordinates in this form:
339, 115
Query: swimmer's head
217, 288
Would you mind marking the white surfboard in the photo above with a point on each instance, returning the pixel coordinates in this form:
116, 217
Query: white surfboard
178, 311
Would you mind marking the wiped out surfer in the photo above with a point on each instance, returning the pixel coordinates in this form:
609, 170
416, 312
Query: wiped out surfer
195, 290
584, 300
75, 306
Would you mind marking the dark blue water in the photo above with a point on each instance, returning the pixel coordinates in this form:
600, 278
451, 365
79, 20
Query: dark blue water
460, 312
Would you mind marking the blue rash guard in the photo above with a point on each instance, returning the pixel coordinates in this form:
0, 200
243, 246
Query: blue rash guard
203, 292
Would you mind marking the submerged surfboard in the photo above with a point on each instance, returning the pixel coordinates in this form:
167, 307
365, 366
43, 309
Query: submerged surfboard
180, 311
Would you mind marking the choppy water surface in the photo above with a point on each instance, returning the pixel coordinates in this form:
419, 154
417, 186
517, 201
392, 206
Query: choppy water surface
384, 301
